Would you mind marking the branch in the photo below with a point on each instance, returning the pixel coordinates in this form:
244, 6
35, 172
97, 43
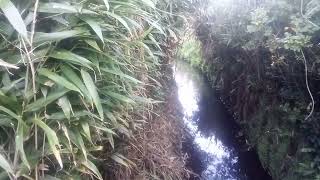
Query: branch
307, 84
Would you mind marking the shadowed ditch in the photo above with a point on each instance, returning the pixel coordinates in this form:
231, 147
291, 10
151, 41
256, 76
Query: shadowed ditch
216, 147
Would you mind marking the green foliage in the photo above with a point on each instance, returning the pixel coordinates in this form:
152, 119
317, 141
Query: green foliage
71, 75
252, 52
191, 51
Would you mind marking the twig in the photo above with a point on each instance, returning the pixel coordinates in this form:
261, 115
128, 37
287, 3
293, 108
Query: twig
307, 84
33, 74
34, 21
302, 14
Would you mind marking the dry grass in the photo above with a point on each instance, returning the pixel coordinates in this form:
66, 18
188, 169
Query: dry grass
156, 149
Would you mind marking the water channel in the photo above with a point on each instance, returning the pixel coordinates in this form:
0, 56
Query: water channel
216, 146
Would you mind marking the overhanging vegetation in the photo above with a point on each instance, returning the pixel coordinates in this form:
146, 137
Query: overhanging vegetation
263, 58
74, 76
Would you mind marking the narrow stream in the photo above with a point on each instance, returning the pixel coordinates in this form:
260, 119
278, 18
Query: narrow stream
215, 146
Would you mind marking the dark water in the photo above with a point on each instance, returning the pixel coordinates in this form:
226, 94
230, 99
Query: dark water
216, 146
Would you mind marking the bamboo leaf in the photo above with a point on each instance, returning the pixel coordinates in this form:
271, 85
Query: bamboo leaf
124, 158
53, 7
66, 133
88, 164
106, 130
61, 116
120, 19
9, 102
19, 145
6, 122
4, 175
156, 25
149, 3
86, 130
88, 81
111, 117
119, 97
12, 114
146, 48
119, 160
40, 103
71, 57
7, 65
4, 164
41, 37
93, 44
111, 140
106, 2
95, 27
121, 74
13, 16
78, 138
58, 79
48, 177
65, 105
75, 79
52, 139
154, 41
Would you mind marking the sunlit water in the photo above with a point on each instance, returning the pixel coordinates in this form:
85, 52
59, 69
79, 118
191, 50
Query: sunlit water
188, 97
219, 158
215, 144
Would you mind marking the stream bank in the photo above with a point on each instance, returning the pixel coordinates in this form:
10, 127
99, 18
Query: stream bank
262, 56
215, 144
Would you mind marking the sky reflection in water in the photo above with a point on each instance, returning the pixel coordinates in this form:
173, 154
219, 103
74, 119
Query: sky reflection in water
189, 94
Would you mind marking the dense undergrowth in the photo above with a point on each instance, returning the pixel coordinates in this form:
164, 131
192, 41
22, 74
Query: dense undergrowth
75, 77
263, 56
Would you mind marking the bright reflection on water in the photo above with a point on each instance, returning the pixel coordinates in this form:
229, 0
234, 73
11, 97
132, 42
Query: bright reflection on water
188, 97
189, 90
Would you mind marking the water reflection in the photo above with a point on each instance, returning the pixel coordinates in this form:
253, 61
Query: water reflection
189, 97
190, 89
216, 152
